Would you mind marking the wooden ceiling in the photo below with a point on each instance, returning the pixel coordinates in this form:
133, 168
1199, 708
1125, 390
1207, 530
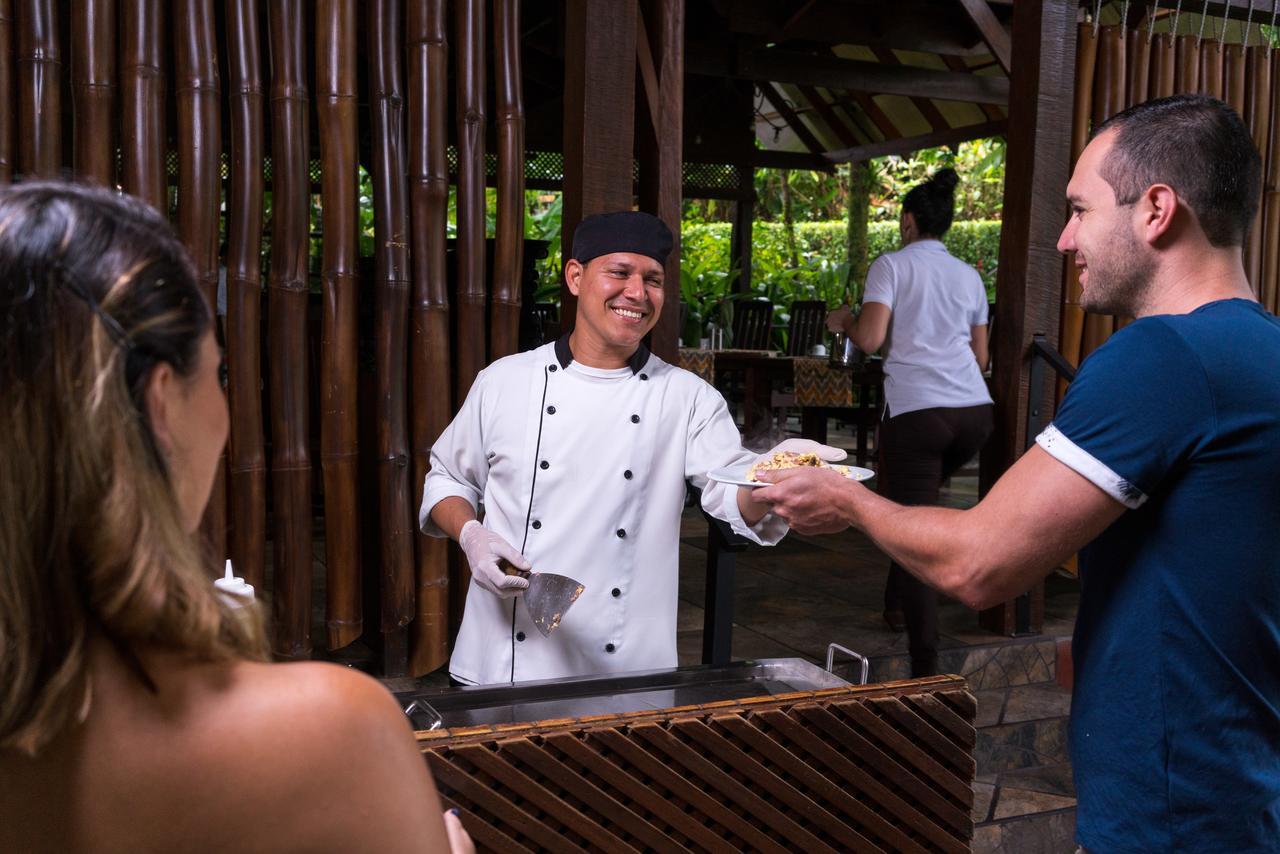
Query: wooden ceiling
839, 79
844, 80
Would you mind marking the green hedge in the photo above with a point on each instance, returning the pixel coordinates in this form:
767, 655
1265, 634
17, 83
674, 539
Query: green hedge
706, 284
821, 247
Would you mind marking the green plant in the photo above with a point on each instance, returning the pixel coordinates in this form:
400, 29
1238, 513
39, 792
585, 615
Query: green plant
706, 294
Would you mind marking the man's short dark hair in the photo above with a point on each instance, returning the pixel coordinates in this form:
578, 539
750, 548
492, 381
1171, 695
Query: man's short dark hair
1198, 146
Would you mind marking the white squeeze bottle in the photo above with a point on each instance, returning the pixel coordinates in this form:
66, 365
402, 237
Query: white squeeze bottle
235, 591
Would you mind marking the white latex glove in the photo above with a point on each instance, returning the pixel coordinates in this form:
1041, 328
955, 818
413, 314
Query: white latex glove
806, 446
484, 549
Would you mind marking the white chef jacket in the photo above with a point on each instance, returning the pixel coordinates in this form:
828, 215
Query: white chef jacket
583, 470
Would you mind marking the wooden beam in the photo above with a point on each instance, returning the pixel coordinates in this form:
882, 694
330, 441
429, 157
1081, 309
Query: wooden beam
1028, 286
660, 35
765, 159
837, 125
599, 117
908, 144
779, 103
1238, 9
878, 117
990, 30
830, 72
955, 63
920, 25
648, 74
927, 108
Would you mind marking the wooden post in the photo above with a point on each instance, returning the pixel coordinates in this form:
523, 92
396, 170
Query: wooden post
93, 82
39, 90
200, 192
508, 249
469, 343
660, 39
8, 104
247, 479
287, 334
599, 119
336, 106
430, 353
391, 332
744, 215
142, 115
1028, 288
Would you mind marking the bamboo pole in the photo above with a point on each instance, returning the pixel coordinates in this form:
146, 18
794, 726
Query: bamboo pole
195, 89
339, 189
508, 251
1187, 61
1071, 338
8, 104
1109, 90
142, 116
1235, 71
430, 365
93, 77
469, 73
196, 92
1267, 286
1138, 63
39, 90
1164, 54
248, 468
1212, 60
391, 263
1257, 115
287, 331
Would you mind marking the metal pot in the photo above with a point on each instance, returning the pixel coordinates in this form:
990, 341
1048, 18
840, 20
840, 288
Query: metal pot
843, 353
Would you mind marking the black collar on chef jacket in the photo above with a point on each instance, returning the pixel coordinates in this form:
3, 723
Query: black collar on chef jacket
564, 355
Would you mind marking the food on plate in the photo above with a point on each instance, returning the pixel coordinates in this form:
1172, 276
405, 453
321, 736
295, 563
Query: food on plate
789, 460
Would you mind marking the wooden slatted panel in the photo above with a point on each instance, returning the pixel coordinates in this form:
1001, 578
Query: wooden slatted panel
885, 768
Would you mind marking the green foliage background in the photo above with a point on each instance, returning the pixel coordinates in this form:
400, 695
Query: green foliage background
706, 280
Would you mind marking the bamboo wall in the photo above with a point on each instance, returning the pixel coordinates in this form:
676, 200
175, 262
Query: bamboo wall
113, 91
1118, 67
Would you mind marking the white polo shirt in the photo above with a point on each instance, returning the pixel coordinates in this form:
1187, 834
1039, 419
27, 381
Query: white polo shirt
935, 299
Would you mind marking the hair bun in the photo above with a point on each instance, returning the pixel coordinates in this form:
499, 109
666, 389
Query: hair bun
945, 179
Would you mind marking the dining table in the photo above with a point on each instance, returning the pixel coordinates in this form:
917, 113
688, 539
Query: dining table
819, 389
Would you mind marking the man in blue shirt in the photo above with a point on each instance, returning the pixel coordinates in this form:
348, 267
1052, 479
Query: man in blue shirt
1162, 467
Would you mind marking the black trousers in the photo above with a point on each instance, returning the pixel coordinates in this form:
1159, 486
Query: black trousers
918, 451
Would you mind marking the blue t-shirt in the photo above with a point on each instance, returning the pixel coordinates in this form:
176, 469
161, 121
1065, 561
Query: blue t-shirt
1175, 718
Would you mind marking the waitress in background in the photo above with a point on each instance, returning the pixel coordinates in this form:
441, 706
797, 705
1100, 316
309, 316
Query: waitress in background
928, 310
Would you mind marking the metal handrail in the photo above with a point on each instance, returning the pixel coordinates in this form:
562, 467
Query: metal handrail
1042, 353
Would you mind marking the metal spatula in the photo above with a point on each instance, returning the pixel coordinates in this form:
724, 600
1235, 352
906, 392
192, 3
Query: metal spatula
548, 597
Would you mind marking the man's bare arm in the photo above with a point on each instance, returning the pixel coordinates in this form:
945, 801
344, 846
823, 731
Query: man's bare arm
451, 513
1037, 515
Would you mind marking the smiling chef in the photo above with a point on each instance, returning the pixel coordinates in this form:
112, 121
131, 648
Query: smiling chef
577, 453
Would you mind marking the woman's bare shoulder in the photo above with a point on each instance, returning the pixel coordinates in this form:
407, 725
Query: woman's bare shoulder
330, 749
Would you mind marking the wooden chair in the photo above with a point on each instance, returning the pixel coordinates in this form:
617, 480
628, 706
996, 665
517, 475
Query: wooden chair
752, 325
807, 324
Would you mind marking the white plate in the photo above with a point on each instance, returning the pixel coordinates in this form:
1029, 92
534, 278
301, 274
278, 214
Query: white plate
738, 474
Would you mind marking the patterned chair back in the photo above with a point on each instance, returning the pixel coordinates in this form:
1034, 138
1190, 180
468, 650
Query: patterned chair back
808, 322
752, 325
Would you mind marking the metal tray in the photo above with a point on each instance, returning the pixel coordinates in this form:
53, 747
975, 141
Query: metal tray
525, 702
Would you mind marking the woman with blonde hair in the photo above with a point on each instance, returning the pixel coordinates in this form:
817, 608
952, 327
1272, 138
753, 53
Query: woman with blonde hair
137, 711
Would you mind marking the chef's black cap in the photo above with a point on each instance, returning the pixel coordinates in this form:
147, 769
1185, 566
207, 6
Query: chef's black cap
621, 231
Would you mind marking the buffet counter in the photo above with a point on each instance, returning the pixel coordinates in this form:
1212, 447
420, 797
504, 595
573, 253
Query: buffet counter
769, 755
